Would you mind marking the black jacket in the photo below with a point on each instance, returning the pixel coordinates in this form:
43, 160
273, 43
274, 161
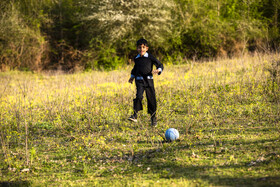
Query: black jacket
144, 65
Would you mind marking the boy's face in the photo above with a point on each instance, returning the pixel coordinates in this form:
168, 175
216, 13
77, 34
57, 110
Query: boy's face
142, 49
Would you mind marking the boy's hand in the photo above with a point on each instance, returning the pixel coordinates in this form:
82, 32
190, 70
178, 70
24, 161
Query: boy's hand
131, 80
155, 71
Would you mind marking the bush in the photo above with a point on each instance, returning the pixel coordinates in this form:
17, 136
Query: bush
20, 46
102, 57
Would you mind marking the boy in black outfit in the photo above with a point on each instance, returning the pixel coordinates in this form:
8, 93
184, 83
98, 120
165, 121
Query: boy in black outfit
143, 72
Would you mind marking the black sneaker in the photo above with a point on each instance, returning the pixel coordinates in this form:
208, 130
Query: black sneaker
153, 121
133, 118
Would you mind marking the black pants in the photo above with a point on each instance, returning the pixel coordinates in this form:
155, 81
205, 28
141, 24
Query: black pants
146, 85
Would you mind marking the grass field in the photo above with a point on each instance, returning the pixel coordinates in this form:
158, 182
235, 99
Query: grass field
72, 129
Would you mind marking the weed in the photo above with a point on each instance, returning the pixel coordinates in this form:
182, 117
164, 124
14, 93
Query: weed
72, 129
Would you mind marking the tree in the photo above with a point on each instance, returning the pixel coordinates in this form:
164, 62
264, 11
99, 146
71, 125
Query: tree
122, 22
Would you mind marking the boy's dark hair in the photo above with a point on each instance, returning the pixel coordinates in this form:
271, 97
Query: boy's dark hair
142, 41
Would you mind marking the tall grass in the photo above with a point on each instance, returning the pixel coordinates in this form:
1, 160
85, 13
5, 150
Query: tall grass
63, 128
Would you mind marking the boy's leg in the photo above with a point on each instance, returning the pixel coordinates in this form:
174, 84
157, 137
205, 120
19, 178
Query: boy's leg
151, 98
137, 102
152, 105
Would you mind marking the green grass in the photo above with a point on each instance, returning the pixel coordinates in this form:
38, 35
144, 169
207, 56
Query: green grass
77, 132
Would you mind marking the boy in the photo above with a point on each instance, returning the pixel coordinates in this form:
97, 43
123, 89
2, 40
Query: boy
143, 72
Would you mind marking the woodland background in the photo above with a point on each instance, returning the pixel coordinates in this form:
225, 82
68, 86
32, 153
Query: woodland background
70, 35
63, 114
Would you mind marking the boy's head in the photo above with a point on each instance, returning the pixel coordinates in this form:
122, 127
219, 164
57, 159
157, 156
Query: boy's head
142, 46
142, 41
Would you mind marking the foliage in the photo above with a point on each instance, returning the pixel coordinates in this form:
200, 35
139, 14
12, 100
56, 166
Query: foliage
214, 28
73, 128
20, 46
60, 34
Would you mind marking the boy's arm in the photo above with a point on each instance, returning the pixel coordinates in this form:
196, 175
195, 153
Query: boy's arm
131, 79
157, 71
132, 76
158, 65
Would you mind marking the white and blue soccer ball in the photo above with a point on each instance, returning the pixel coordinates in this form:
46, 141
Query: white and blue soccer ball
171, 134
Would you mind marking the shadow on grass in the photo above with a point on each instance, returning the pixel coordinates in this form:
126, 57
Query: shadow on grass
196, 173
15, 183
226, 143
213, 175
162, 162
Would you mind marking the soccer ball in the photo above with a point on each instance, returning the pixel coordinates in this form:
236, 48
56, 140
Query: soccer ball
171, 134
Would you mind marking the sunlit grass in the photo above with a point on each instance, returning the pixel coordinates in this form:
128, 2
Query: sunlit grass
227, 113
